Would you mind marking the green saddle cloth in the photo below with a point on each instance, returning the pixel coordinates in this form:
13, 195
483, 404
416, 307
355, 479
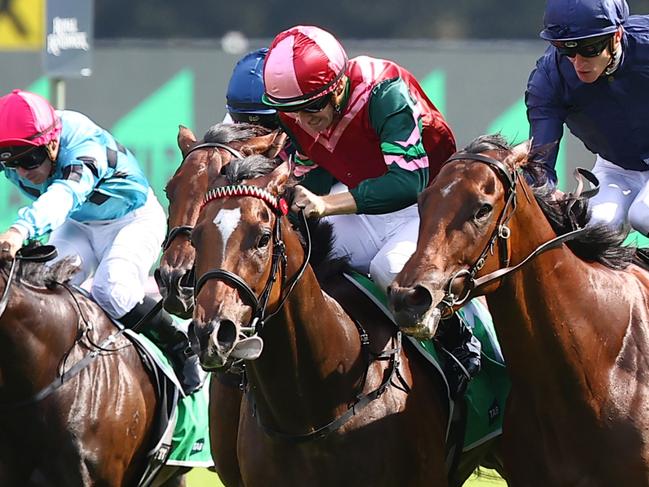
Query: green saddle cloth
190, 443
487, 392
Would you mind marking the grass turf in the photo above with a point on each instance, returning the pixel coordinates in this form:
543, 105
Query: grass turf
201, 477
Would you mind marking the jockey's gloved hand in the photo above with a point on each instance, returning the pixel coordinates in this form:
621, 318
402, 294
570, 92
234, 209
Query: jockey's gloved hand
10, 241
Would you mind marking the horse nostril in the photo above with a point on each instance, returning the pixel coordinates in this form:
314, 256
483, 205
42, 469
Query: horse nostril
226, 334
409, 299
419, 297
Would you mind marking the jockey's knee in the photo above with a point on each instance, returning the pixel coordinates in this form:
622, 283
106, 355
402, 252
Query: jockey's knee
639, 217
117, 298
383, 271
607, 212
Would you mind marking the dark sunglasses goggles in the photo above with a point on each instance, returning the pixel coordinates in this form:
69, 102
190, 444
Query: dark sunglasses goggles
314, 106
19, 157
585, 48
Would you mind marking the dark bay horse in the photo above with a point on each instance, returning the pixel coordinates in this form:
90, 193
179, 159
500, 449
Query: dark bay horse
571, 317
325, 405
93, 430
185, 191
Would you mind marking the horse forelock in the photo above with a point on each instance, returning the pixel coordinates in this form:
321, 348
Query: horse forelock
250, 167
225, 133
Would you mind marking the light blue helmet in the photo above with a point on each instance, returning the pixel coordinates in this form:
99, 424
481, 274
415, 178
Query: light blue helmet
245, 90
571, 20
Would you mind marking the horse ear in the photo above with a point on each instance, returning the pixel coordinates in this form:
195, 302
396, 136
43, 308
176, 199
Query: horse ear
518, 154
279, 177
277, 144
186, 139
268, 145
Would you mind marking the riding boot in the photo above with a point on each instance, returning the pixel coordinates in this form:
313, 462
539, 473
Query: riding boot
172, 340
463, 351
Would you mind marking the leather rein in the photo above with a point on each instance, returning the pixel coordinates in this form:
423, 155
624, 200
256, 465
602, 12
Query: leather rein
260, 317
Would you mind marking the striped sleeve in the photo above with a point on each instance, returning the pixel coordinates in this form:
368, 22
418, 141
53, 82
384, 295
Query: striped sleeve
397, 120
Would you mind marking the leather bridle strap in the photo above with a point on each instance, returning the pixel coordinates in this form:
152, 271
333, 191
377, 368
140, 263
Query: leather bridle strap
187, 229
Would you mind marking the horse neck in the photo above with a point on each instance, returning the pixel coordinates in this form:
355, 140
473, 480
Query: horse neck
28, 347
312, 360
546, 313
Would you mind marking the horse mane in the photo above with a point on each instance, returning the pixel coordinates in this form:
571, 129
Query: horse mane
599, 243
42, 274
225, 133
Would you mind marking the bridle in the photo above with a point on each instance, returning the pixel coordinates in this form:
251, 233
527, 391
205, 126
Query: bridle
187, 229
501, 233
259, 316
279, 206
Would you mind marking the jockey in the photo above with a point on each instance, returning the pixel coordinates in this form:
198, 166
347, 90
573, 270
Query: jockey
243, 98
90, 193
593, 78
368, 139
245, 89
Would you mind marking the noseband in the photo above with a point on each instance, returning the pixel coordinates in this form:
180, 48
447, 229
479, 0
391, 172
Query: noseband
258, 305
509, 177
187, 229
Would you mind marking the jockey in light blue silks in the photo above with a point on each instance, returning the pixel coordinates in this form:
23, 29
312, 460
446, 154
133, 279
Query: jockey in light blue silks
90, 193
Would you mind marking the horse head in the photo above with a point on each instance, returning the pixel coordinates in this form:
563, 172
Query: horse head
462, 233
240, 259
221, 144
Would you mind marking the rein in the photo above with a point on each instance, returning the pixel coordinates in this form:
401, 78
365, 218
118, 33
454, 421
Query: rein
259, 316
43, 253
258, 305
502, 233
46, 253
361, 400
187, 229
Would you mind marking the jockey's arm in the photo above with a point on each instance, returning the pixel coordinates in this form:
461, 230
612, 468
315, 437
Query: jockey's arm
546, 117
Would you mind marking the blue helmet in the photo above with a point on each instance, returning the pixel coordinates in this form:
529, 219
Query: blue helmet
245, 90
571, 20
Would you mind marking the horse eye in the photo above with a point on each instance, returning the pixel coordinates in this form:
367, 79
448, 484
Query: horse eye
483, 212
263, 240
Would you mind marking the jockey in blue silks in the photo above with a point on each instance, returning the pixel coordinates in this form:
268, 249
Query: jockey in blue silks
594, 77
245, 89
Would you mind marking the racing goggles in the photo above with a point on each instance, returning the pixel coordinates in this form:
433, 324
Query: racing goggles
18, 157
591, 47
314, 106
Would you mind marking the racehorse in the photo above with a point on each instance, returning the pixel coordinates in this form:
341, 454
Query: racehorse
333, 399
185, 191
60, 428
569, 306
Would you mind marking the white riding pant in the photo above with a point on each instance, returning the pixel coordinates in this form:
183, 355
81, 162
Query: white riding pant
623, 196
378, 245
120, 252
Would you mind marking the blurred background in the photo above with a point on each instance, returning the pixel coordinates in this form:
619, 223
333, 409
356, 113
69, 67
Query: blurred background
142, 67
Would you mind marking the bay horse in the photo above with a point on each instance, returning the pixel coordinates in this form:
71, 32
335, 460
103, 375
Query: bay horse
57, 428
569, 306
185, 190
331, 399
